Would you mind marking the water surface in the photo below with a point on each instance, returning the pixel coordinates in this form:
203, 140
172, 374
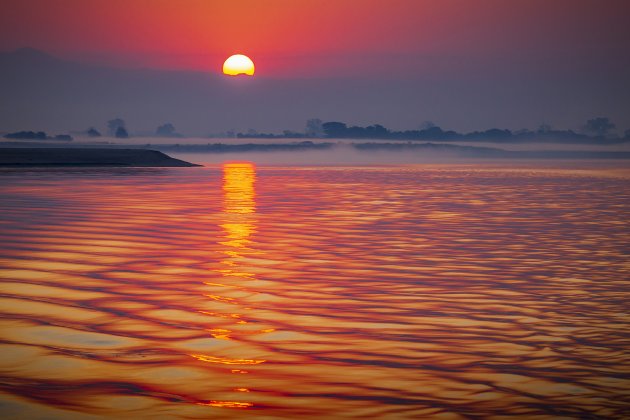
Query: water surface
234, 291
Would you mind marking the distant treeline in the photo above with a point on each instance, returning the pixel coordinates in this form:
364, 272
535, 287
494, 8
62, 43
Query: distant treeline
37, 135
341, 130
597, 130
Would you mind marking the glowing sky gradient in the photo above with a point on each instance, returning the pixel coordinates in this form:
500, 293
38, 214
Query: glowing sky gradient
464, 64
323, 37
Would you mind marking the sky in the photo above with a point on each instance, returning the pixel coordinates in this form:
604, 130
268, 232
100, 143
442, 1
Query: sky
469, 48
322, 37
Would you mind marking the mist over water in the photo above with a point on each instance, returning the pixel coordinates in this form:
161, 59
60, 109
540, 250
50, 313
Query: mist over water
339, 155
346, 155
240, 290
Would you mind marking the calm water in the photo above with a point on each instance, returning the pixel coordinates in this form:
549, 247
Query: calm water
387, 292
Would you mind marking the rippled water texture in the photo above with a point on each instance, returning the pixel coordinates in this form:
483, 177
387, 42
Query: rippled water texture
236, 291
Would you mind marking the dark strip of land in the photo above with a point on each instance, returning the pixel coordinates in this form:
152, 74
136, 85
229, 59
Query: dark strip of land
29, 157
489, 152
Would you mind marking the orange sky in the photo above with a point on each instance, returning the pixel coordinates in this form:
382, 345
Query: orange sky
314, 37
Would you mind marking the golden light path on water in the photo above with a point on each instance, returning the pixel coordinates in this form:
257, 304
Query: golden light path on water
377, 292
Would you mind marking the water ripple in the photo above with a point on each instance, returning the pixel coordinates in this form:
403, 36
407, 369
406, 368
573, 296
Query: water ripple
398, 292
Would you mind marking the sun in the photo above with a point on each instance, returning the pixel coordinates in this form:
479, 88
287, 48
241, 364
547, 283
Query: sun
238, 64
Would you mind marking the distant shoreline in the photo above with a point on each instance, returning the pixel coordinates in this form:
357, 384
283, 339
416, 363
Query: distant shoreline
86, 154
17, 157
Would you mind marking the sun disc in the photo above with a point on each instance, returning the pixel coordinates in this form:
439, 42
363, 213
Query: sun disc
238, 64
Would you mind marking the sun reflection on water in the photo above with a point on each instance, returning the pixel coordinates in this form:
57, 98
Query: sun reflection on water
239, 224
239, 195
239, 208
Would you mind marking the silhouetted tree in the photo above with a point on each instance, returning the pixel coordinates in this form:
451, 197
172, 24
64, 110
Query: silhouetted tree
334, 129
37, 135
600, 126
376, 131
544, 128
314, 128
93, 132
121, 133
432, 133
114, 125
27, 135
166, 130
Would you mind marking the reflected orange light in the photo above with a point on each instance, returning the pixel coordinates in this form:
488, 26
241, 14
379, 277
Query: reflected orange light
239, 224
239, 207
238, 188
226, 361
237, 233
227, 404
220, 333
